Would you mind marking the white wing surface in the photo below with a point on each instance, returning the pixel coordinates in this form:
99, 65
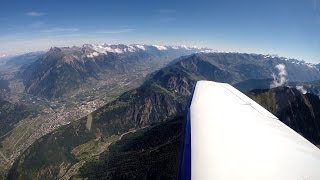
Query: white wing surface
234, 138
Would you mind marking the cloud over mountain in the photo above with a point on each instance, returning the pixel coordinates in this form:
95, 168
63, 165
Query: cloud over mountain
281, 78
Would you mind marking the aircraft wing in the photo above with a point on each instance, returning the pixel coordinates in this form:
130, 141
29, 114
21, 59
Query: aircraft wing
228, 136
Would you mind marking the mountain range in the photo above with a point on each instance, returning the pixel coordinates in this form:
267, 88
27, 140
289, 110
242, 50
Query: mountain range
67, 83
137, 136
63, 70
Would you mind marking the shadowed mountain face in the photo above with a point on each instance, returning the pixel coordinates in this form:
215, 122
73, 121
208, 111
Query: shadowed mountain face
111, 140
4, 85
151, 153
251, 84
10, 114
298, 111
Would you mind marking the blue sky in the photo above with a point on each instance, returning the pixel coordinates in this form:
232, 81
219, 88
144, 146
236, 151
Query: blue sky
288, 28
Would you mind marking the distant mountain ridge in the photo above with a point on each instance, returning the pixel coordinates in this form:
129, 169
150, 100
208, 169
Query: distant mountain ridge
312, 87
23, 59
96, 50
62, 70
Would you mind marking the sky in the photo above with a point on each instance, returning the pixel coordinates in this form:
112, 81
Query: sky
289, 28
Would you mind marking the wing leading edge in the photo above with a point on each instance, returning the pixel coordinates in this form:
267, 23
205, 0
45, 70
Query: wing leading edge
233, 137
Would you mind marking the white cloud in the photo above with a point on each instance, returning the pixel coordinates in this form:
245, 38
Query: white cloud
281, 78
301, 89
34, 14
58, 29
116, 31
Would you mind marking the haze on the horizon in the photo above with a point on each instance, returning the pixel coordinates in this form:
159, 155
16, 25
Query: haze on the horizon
288, 28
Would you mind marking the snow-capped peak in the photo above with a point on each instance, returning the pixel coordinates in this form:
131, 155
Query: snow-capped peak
140, 46
100, 49
207, 51
159, 47
270, 56
290, 60
94, 50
